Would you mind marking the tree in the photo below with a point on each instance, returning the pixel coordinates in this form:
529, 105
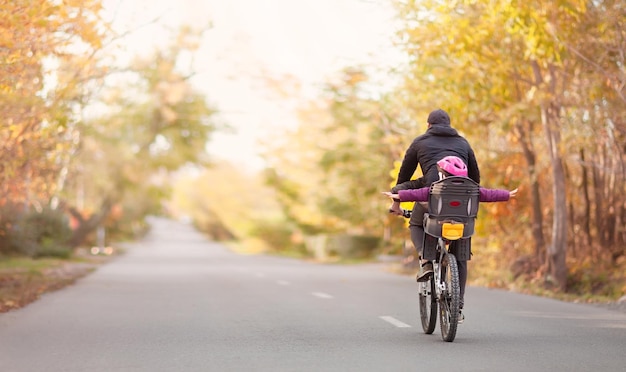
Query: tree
512, 68
47, 55
327, 171
145, 129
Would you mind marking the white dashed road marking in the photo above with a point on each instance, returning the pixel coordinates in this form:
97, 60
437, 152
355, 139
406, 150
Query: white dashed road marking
394, 321
260, 275
282, 282
321, 295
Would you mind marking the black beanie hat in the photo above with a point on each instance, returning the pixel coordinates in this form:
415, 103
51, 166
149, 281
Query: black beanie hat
438, 117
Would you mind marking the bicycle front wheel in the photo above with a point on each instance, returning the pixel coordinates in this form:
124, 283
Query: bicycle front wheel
428, 305
450, 298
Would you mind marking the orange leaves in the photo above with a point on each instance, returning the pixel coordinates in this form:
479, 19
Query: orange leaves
33, 34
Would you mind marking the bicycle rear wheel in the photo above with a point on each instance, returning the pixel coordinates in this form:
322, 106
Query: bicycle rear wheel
450, 298
428, 305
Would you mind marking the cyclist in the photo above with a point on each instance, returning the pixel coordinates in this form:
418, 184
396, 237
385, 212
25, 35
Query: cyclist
439, 141
449, 166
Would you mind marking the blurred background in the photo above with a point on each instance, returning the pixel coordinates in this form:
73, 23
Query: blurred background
273, 126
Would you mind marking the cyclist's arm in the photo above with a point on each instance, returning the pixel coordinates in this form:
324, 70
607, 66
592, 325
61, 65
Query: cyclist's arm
412, 184
409, 165
472, 167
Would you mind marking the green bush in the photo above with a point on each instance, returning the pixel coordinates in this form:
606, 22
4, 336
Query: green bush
35, 233
9, 216
353, 246
277, 235
586, 281
56, 251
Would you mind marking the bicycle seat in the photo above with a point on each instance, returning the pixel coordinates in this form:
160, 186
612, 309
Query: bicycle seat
452, 200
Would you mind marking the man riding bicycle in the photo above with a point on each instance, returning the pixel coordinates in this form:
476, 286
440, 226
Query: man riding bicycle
439, 141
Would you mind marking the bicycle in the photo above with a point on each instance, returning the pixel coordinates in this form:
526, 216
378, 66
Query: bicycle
452, 209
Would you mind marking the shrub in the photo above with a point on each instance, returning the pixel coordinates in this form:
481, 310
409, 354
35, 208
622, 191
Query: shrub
353, 246
277, 235
9, 217
37, 234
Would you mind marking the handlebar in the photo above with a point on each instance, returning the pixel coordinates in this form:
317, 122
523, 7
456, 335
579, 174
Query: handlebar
406, 213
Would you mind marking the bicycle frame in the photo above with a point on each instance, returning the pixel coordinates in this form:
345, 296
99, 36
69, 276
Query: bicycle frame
441, 252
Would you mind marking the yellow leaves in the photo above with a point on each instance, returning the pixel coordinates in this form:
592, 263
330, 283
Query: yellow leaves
31, 34
394, 176
4, 88
239, 200
168, 114
394, 172
172, 93
531, 93
355, 77
11, 58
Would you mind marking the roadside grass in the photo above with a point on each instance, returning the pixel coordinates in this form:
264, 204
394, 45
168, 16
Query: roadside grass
252, 246
584, 286
24, 280
246, 247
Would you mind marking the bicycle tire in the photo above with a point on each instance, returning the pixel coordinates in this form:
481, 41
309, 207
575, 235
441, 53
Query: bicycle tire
428, 305
450, 298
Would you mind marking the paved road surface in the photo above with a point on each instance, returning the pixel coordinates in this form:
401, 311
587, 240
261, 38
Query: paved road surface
177, 302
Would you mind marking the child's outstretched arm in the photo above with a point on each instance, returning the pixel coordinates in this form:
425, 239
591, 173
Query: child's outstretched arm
419, 195
496, 195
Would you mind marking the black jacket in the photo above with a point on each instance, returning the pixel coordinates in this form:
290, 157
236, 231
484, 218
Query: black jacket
440, 140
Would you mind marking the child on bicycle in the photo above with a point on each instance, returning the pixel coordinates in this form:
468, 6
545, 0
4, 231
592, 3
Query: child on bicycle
448, 166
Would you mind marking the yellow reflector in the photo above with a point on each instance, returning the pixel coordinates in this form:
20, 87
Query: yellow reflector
452, 231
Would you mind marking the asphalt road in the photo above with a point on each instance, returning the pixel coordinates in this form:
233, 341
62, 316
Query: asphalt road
178, 302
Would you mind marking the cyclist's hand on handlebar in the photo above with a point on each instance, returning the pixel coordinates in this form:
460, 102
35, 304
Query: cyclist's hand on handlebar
512, 193
395, 209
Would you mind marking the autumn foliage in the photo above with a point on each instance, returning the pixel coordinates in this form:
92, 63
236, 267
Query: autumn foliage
538, 89
540, 92
46, 53
75, 137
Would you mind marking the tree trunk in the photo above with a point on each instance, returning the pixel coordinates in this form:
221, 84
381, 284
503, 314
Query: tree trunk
598, 186
89, 225
556, 253
587, 206
574, 247
550, 115
537, 225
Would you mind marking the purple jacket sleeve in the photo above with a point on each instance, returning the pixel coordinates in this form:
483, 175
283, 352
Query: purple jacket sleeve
493, 195
486, 195
419, 195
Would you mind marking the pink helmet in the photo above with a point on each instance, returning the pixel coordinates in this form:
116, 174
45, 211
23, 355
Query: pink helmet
453, 165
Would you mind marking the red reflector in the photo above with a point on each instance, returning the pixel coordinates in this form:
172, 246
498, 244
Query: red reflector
455, 203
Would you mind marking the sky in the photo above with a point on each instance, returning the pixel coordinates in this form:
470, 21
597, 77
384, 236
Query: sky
251, 40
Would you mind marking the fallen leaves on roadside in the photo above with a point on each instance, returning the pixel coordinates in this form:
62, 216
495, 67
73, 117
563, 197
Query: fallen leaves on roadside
19, 288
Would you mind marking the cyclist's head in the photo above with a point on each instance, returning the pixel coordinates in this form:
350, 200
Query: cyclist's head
452, 166
439, 117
